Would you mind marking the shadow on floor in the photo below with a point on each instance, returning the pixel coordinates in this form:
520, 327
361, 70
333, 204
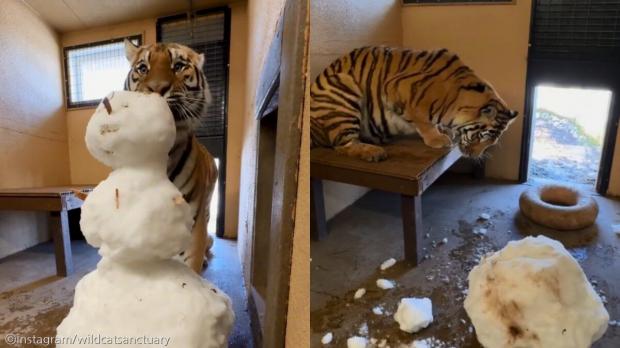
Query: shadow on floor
33, 301
368, 232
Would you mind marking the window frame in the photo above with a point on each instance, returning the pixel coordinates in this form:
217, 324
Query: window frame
65, 51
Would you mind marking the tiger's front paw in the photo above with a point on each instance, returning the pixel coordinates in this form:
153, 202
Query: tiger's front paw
373, 153
439, 141
366, 152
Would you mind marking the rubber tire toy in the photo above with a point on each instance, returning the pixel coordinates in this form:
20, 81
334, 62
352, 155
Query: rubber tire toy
558, 207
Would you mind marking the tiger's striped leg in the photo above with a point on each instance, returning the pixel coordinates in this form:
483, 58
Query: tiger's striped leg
432, 136
367, 152
201, 241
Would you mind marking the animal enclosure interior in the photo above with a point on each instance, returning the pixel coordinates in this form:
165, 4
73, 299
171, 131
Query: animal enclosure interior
61, 59
389, 240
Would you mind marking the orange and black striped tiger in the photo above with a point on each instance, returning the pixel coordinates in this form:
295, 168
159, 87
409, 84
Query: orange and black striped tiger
175, 72
372, 94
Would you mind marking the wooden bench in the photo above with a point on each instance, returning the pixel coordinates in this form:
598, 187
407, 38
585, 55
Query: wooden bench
410, 169
58, 201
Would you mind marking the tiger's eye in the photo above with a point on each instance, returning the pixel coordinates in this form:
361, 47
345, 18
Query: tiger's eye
142, 69
178, 66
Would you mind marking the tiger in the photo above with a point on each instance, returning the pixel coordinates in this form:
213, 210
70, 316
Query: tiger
176, 72
368, 97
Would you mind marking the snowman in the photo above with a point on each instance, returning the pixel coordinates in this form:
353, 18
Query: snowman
139, 295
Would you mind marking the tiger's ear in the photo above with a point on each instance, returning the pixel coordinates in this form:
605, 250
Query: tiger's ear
131, 50
201, 61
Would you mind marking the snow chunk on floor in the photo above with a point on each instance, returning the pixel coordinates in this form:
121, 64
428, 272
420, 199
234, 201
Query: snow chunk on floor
359, 293
363, 330
534, 292
414, 314
385, 284
378, 310
357, 342
616, 229
387, 263
484, 216
480, 231
327, 339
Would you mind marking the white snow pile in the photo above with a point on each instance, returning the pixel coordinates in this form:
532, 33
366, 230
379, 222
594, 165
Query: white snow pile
533, 293
357, 342
327, 338
414, 314
359, 293
385, 284
387, 264
378, 310
480, 231
139, 220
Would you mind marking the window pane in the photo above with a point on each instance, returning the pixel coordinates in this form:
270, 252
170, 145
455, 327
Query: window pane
96, 70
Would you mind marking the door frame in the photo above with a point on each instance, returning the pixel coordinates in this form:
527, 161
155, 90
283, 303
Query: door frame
603, 74
288, 61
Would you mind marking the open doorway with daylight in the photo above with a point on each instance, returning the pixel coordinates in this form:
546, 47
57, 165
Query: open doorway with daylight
572, 103
568, 133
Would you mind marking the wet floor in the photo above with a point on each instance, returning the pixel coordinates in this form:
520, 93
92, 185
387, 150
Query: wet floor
369, 232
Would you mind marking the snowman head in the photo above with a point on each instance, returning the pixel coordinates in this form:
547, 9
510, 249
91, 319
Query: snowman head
131, 128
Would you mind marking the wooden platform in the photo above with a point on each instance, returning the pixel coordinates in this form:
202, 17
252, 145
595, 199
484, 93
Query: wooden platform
56, 200
411, 167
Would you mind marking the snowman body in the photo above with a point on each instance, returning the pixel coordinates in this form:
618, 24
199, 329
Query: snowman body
139, 295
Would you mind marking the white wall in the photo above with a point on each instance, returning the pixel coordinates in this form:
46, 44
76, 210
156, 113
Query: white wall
33, 135
336, 28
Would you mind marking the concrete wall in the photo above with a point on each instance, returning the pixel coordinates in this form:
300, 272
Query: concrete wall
86, 170
33, 137
493, 40
336, 28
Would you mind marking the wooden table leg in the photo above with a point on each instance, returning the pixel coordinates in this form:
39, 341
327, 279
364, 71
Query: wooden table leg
62, 243
411, 207
318, 224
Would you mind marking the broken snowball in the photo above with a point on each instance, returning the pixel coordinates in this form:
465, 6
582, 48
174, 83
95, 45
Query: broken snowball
378, 310
359, 293
480, 231
533, 293
357, 342
484, 216
387, 264
414, 314
327, 339
385, 284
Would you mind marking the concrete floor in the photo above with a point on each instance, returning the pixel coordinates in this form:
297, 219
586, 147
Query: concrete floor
33, 301
369, 232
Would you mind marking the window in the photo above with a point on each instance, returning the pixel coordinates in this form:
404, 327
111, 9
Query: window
93, 70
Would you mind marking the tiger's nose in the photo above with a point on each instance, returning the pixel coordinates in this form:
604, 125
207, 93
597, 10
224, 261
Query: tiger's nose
158, 87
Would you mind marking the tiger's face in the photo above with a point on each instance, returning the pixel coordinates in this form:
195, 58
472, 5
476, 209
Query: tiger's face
481, 116
175, 72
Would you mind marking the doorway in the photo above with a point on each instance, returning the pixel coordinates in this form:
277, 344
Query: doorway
208, 31
568, 133
572, 104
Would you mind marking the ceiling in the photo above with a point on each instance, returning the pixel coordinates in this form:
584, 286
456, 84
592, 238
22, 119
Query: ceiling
70, 15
